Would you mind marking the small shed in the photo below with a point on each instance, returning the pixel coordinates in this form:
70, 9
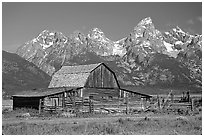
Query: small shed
32, 98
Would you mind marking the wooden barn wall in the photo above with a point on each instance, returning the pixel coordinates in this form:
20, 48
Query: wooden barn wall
101, 93
53, 100
26, 102
101, 77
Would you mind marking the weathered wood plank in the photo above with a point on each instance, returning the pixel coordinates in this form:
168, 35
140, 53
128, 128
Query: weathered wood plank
101, 77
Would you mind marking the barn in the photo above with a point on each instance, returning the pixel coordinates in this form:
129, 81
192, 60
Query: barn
93, 80
75, 83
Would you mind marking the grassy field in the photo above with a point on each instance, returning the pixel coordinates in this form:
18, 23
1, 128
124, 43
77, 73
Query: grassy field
160, 125
152, 122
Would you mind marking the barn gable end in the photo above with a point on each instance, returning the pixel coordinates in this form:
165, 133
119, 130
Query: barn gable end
102, 77
91, 76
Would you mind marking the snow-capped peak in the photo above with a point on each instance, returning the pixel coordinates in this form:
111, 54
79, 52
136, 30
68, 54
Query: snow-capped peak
47, 38
34, 40
178, 30
44, 31
97, 30
96, 33
145, 21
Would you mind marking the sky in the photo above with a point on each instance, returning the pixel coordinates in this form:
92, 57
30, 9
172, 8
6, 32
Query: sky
22, 22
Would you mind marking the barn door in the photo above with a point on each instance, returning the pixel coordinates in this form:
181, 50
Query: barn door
55, 101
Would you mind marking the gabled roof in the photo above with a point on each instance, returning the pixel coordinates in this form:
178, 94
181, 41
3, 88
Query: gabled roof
72, 76
77, 69
42, 92
134, 92
69, 80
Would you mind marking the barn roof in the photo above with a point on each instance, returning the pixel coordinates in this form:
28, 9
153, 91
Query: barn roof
42, 92
72, 76
134, 92
77, 69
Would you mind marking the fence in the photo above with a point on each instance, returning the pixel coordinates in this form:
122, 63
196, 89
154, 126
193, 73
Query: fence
7, 104
122, 105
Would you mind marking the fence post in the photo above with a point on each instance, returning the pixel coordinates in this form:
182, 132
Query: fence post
172, 97
82, 103
55, 104
73, 103
142, 103
90, 105
192, 104
158, 100
40, 105
127, 104
63, 100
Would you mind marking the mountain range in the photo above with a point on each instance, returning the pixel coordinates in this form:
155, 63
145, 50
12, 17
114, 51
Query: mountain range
146, 57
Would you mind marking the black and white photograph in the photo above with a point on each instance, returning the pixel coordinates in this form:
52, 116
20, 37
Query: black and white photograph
102, 68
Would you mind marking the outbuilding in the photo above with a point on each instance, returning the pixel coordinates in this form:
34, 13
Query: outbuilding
37, 97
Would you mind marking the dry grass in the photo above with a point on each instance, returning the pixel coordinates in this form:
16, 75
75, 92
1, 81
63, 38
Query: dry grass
120, 126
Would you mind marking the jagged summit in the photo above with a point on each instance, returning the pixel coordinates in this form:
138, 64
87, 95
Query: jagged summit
145, 21
97, 30
140, 58
177, 29
96, 33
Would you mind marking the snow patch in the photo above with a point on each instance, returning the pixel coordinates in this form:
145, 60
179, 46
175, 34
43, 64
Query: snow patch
179, 30
34, 40
178, 42
44, 46
137, 35
121, 40
65, 40
52, 33
168, 46
167, 33
174, 29
146, 44
146, 21
118, 50
170, 51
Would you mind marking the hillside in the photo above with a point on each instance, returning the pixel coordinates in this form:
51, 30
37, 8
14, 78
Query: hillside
20, 74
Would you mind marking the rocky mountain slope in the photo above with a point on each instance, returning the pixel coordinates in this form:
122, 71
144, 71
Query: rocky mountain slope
145, 57
19, 74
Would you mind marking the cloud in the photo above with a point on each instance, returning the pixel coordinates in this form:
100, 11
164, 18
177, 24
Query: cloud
199, 18
194, 20
190, 22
